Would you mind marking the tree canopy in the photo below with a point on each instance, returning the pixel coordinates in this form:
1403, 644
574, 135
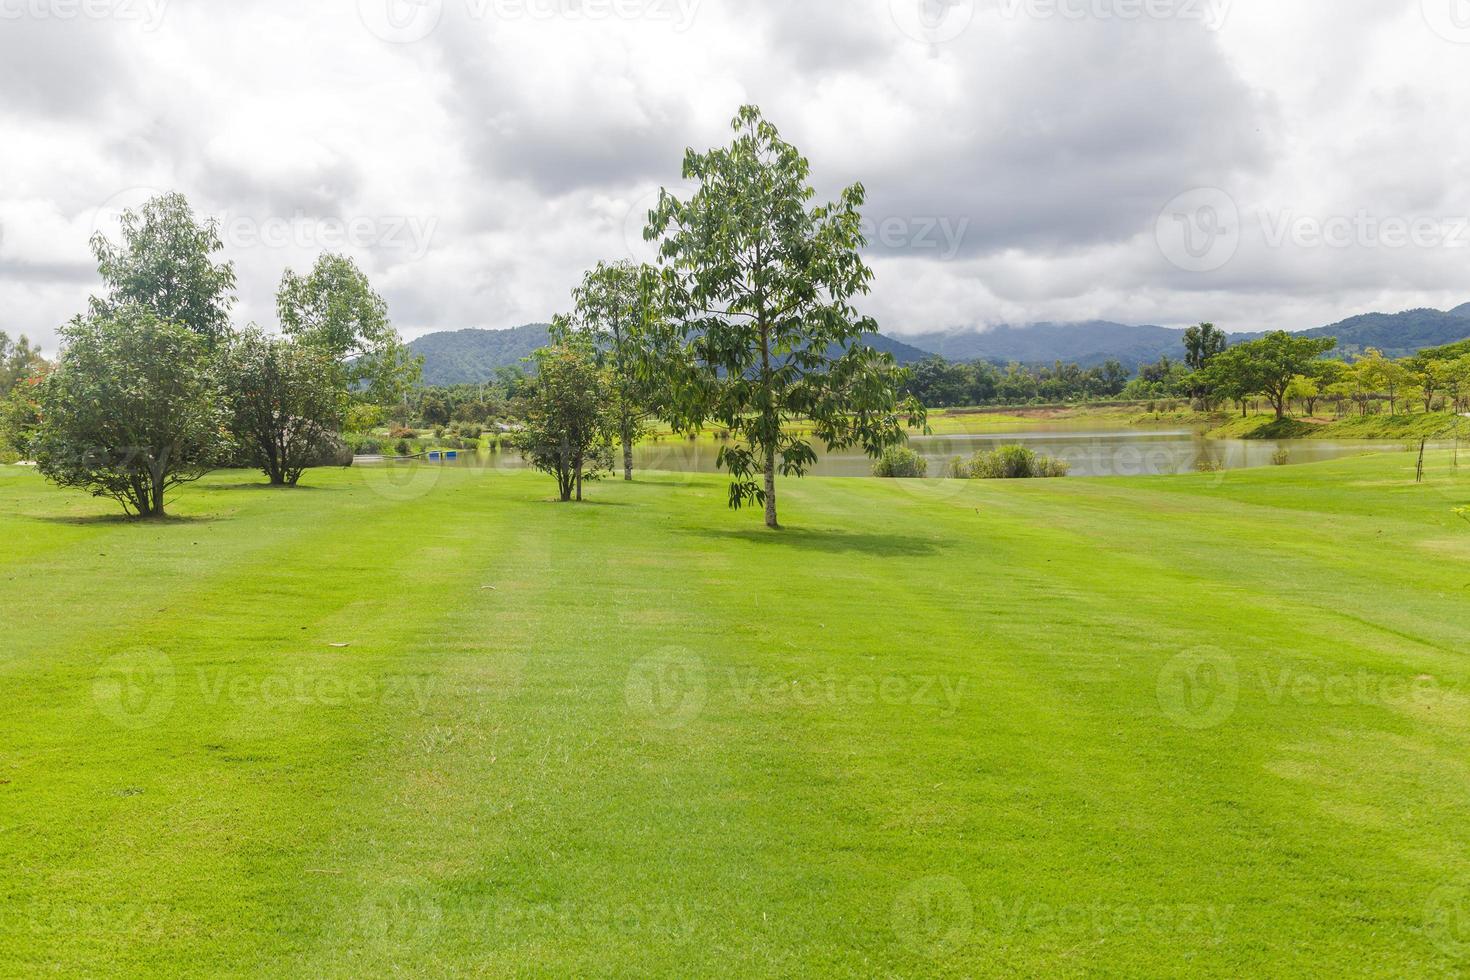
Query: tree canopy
163, 264
335, 309
1267, 366
614, 312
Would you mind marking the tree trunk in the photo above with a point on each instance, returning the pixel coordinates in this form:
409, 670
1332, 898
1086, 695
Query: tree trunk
157, 477
627, 455
579, 483
771, 521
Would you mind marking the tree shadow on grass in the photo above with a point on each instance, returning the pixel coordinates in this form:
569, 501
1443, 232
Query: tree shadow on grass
830, 541
272, 486
89, 520
574, 504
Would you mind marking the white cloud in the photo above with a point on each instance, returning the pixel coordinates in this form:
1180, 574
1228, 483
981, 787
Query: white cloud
1017, 153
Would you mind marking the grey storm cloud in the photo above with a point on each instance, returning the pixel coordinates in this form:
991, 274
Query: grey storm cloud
61, 68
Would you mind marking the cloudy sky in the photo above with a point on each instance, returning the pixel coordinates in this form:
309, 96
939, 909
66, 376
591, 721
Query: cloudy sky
1253, 162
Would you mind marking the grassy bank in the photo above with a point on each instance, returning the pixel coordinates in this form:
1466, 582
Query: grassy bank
423, 721
1400, 427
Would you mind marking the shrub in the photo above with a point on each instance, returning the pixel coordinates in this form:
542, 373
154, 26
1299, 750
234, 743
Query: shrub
368, 447
1011, 463
1280, 457
1208, 464
901, 463
402, 447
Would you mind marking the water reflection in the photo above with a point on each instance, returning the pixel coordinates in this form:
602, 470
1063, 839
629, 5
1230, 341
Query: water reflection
1104, 452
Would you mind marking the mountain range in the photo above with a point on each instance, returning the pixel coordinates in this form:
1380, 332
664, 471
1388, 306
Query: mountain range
472, 356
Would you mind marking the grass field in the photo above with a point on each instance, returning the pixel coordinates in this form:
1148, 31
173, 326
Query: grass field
1216, 724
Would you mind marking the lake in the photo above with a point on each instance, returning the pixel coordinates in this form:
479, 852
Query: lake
1100, 452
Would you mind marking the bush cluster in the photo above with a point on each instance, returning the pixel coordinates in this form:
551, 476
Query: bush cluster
901, 463
1008, 463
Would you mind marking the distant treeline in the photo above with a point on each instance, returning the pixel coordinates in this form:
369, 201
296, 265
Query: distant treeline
1284, 369
940, 383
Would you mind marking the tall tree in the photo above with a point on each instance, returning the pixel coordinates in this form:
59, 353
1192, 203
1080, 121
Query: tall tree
613, 311
568, 423
286, 403
130, 411
760, 286
1202, 344
164, 265
335, 308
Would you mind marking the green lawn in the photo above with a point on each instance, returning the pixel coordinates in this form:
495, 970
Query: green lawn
1215, 724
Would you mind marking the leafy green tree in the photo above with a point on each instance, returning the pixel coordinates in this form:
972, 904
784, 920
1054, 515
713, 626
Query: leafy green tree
130, 411
1202, 344
20, 360
758, 288
569, 420
1305, 389
20, 414
1383, 375
1267, 366
614, 312
1456, 380
335, 308
164, 265
286, 403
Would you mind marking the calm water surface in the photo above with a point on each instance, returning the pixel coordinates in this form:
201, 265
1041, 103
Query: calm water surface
1101, 452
